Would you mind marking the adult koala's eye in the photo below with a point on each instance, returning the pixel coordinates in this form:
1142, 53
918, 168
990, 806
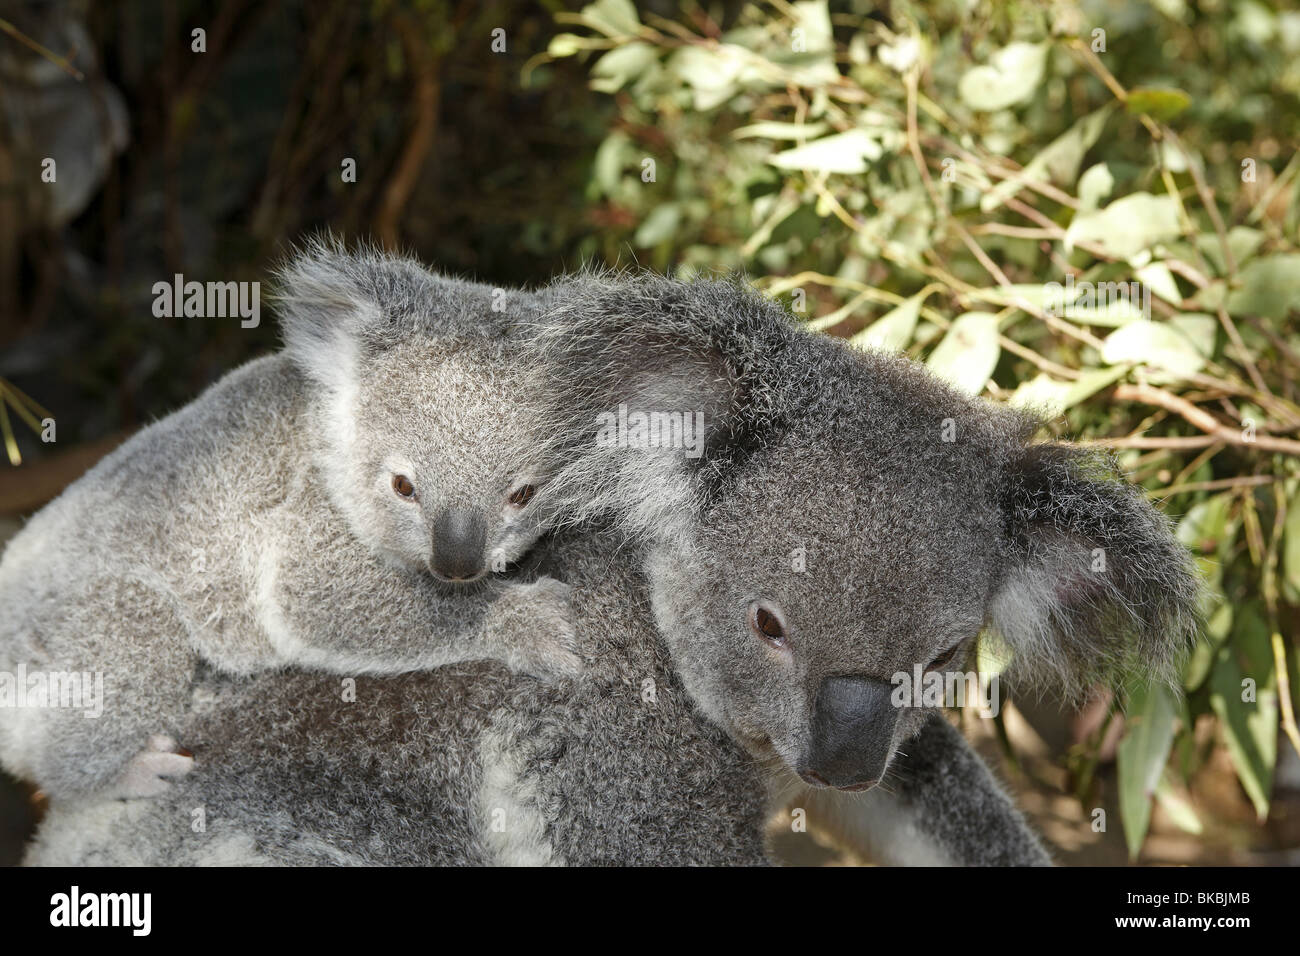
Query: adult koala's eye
522, 495
765, 623
402, 485
944, 659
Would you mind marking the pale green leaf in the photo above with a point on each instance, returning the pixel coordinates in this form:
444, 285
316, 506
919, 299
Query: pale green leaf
893, 330
1141, 758
847, 152
1249, 727
771, 129
1154, 344
1052, 396
968, 353
1269, 287
1126, 226
1011, 76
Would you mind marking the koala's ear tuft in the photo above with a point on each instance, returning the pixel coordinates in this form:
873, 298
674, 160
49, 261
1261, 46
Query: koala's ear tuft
325, 304
1097, 588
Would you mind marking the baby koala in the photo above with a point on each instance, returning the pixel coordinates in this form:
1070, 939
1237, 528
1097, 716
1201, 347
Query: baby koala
339, 505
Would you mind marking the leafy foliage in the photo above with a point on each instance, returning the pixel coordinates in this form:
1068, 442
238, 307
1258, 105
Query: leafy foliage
1103, 195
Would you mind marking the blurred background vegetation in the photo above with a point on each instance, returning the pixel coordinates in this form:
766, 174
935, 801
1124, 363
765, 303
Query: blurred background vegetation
910, 176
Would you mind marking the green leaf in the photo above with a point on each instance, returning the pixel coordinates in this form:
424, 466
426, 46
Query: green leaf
893, 330
613, 18
1141, 758
565, 44
1270, 287
1199, 329
1243, 242
1052, 396
1059, 161
1206, 649
1160, 281
1159, 104
611, 156
1291, 547
713, 73
968, 353
621, 65
771, 129
1205, 527
1249, 728
1095, 184
1155, 344
1011, 76
660, 225
842, 153
1179, 809
1127, 226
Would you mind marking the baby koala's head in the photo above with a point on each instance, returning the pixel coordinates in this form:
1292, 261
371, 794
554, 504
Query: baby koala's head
428, 437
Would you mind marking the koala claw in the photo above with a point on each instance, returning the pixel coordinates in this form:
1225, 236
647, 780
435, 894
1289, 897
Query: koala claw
553, 650
144, 773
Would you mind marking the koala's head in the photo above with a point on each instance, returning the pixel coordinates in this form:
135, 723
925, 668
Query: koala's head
849, 519
429, 433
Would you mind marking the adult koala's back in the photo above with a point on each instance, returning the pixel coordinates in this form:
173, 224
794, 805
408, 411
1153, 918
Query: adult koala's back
466, 765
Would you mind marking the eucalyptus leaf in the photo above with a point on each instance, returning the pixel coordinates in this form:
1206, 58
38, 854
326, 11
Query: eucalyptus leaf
1249, 727
848, 152
968, 353
1269, 287
1011, 76
1141, 758
1155, 344
1126, 226
893, 330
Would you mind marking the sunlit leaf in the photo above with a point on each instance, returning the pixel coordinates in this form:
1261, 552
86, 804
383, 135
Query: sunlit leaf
1011, 76
1249, 727
968, 353
1127, 225
1141, 757
1155, 344
848, 152
1160, 104
893, 330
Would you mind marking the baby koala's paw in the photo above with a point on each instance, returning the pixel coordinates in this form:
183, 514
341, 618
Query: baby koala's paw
144, 773
550, 649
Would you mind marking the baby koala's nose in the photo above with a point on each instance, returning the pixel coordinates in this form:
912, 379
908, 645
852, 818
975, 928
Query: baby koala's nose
459, 543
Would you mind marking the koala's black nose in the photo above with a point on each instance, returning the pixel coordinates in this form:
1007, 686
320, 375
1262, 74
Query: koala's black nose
459, 542
852, 733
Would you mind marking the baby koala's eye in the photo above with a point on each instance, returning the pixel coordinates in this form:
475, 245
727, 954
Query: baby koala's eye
402, 485
522, 495
765, 623
944, 659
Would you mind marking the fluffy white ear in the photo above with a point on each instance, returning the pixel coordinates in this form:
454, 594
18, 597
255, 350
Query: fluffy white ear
1097, 588
647, 405
324, 308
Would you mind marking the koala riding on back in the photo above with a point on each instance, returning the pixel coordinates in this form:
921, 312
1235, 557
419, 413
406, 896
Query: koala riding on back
338, 505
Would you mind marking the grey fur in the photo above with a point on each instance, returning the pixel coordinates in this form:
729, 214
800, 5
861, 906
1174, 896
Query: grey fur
258, 526
472, 765
912, 544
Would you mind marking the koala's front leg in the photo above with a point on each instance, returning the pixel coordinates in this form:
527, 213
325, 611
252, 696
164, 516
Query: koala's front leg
943, 808
530, 627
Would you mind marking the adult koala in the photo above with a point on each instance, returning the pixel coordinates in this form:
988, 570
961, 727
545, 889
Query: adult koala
917, 515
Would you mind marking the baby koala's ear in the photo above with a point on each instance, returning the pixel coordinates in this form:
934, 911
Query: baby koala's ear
647, 406
1096, 587
324, 305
